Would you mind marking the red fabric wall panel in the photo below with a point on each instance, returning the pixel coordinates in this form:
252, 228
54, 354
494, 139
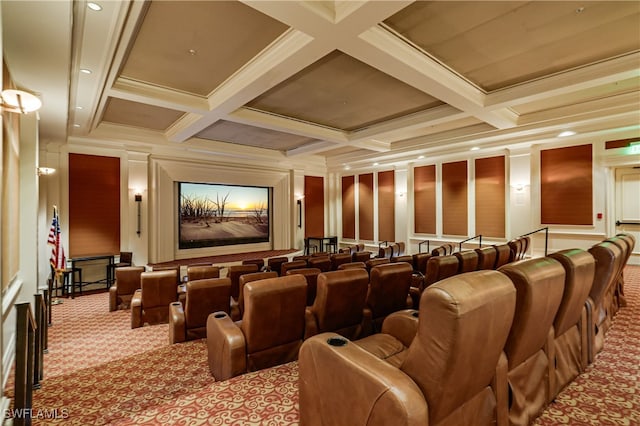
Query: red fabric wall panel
490, 196
94, 205
365, 204
348, 207
424, 196
313, 206
566, 186
454, 198
386, 206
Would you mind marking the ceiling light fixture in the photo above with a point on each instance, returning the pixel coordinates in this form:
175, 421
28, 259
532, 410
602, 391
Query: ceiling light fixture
566, 133
85, 70
376, 164
78, 107
44, 171
94, 6
475, 148
76, 125
580, 10
420, 157
19, 101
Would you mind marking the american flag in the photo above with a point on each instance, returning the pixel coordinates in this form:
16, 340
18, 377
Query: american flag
58, 261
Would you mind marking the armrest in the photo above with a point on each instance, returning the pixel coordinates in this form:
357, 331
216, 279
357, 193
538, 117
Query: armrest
367, 323
591, 330
177, 327
501, 391
226, 347
236, 314
355, 386
310, 323
136, 309
403, 325
113, 298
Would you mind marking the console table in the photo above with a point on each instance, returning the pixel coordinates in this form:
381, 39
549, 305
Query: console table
76, 261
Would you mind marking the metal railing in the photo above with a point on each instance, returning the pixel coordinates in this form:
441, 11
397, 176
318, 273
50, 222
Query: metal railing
469, 239
420, 246
26, 328
546, 237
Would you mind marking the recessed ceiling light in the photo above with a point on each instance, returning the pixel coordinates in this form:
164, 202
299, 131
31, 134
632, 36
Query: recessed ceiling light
192, 52
94, 6
76, 125
566, 133
420, 157
347, 168
580, 10
78, 107
475, 148
85, 71
376, 164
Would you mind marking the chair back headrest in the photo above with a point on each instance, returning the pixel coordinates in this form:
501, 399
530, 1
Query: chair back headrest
440, 267
503, 254
608, 258
259, 262
463, 325
388, 288
579, 267
246, 278
420, 262
340, 298
311, 275
200, 272
385, 252
169, 268
158, 288
128, 278
338, 259
404, 258
295, 264
467, 261
361, 256
372, 263
350, 265
320, 262
204, 297
235, 271
275, 263
487, 257
126, 257
274, 312
539, 286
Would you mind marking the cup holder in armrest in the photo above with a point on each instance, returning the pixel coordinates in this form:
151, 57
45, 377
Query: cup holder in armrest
219, 315
176, 303
336, 341
415, 314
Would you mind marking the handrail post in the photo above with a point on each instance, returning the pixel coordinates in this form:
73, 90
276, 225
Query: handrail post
469, 239
420, 246
23, 386
546, 240
38, 354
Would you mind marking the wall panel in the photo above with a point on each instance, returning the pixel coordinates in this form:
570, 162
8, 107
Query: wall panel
348, 207
386, 206
424, 195
313, 206
454, 198
94, 205
490, 196
365, 206
566, 186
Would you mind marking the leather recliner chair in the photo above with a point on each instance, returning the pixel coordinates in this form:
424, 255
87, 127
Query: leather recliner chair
201, 272
438, 268
311, 275
340, 304
338, 259
570, 345
608, 257
270, 332
126, 284
274, 263
446, 376
618, 290
320, 262
539, 287
467, 261
372, 263
150, 304
234, 273
202, 297
503, 254
361, 256
388, 291
295, 264
486, 257
237, 306
350, 265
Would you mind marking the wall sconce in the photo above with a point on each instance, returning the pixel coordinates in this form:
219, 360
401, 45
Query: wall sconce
138, 198
44, 171
299, 203
19, 101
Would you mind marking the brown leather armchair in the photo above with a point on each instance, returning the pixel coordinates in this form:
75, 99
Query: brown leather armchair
127, 282
201, 272
202, 298
608, 257
467, 261
234, 273
618, 289
486, 257
448, 375
126, 259
270, 332
150, 304
503, 255
350, 265
237, 307
294, 264
274, 263
570, 325
388, 291
320, 262
340, 304
338, 259
372, 263
438, 268
529, 349
420, 262
311, 275
361, 256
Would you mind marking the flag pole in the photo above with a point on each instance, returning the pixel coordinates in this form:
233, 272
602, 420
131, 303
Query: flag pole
54, 240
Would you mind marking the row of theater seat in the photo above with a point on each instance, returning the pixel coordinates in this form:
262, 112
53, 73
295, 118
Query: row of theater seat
487, 347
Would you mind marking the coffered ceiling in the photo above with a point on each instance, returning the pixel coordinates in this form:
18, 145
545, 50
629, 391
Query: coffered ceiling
350, 81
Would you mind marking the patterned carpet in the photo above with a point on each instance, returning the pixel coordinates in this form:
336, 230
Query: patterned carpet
100, 372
